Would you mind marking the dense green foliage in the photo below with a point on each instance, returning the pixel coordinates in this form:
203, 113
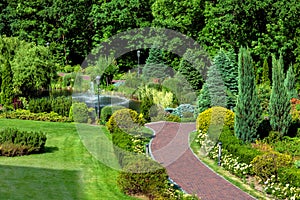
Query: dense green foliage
107, 111
144, 176
243, 152
14, 142
227, 66
247, 111
27, 115
268, 164
60, 105
290, 83
280, 106
79, 112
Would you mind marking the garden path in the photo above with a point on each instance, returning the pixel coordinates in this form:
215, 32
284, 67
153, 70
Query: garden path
170, 147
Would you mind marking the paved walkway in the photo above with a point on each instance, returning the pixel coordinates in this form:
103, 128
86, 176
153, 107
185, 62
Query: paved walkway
170, 148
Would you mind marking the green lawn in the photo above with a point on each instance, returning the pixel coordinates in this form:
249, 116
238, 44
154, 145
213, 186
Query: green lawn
70, 168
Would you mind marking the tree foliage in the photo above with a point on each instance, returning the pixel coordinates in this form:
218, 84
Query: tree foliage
155, 67
280, 107
290, 83
247, 111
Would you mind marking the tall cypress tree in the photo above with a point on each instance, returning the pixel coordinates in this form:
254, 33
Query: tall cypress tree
247, 111
290, 83
280, 107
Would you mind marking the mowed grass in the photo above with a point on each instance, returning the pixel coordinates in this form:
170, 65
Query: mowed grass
67, 170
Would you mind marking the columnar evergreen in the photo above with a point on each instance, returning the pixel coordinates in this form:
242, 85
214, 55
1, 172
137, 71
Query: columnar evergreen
279, 108
290, 83
247, 111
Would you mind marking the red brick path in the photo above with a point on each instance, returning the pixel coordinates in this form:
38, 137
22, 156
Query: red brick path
170, 148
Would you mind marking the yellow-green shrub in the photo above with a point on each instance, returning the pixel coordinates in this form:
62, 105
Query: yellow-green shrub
268, 164
215, 116
126, 120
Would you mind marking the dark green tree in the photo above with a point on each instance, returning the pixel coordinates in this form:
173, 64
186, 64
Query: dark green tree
247, 111
155, 67
265, 73
290, 83
8, 47
203, 101
194, 66
280, 107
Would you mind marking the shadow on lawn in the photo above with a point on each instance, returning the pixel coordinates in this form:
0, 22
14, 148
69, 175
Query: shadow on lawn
39, 183
50, 149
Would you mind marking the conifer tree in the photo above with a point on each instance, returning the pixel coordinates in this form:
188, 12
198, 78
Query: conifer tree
247, 111
216, 87
290, 83
227, 66
155, 67
203, 101
279, 108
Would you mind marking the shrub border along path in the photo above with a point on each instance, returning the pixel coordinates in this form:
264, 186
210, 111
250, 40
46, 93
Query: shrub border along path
170, 147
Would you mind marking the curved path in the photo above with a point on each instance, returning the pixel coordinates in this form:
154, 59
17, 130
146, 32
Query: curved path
170, 147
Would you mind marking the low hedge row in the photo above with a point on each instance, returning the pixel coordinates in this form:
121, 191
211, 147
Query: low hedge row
14, 142
60, 105
27, 115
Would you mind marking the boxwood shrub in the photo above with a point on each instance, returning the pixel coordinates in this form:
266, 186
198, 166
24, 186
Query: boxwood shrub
14, 142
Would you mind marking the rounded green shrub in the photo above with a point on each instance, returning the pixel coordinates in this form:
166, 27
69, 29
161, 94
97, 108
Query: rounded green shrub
107, 112
126, 120
215, 116
143, 177
79, 112
14, 142
268, 164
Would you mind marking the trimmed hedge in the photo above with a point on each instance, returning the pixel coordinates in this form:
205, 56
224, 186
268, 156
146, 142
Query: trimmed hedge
27, 115
14, 142
60, 105
244, 152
